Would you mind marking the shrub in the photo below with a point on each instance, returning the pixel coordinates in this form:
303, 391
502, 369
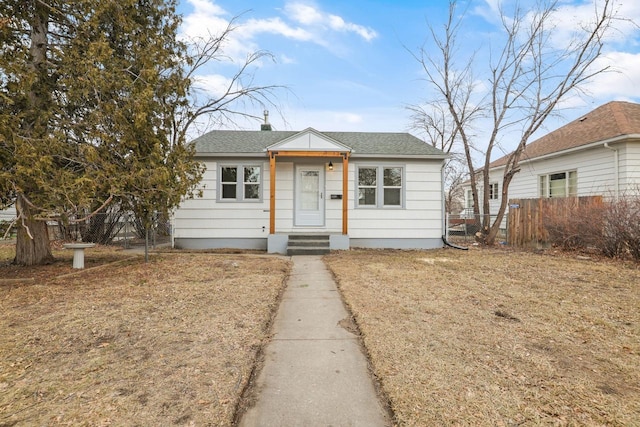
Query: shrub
620, 236
575, 225
613, 228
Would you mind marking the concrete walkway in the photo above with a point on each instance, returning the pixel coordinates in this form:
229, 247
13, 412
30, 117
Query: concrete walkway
314, 373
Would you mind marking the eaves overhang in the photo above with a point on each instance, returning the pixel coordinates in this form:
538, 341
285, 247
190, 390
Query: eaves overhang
614, 140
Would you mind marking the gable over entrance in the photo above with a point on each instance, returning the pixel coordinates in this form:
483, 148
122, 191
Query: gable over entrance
309, 143
309, 140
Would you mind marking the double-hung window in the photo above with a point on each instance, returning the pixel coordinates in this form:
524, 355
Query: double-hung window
240, 183
380, 186
469, 199
560, 184
493, 191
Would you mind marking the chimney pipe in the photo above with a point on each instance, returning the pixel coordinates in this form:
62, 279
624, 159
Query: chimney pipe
266, 125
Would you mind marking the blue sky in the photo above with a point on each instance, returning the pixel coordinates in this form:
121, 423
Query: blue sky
348, 63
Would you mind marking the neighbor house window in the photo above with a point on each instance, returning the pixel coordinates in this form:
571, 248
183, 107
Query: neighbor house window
560, 184
493, 191
240, 182
380, 186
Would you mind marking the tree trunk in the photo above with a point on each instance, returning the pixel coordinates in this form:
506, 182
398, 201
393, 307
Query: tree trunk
32, 244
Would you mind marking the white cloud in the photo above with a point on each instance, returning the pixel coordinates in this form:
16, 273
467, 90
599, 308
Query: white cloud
339, 24
490, 11
207, 7
320, 21
254, 27
350, 118
287, 59
571, 17
213, 84
306, 24
622, 82
304, 14
206, 18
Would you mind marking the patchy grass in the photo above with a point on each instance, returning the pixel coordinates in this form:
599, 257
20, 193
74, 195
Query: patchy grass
172, 342
493, 337
63, 264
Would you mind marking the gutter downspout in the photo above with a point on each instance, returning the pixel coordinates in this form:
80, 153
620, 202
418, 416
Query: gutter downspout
616, 169
445, 222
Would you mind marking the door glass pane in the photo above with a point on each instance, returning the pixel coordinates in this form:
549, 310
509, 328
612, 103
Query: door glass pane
310, 183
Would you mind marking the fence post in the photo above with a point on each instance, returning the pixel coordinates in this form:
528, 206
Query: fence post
126, 231
146, 243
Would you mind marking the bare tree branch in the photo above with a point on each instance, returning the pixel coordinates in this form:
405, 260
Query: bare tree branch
527, 80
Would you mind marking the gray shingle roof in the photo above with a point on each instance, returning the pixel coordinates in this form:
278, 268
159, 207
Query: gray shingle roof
362, 143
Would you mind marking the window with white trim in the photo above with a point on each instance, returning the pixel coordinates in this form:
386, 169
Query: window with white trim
559, 184
493, 191
380, 186
240, 183
469, 199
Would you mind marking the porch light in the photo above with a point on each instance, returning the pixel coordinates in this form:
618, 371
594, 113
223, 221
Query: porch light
330, 166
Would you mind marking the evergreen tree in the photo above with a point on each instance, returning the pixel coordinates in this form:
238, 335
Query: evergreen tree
87, 95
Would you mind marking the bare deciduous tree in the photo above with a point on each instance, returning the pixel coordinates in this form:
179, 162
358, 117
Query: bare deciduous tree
525, 82
434, 124
239, 96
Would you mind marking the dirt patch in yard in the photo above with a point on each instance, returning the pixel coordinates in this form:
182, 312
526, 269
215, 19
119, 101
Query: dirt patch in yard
494, 337
171, 342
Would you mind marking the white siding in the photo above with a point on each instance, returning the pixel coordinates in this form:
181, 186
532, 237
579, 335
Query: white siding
594, 168
630, 168
208, 218
421, 217
7, 215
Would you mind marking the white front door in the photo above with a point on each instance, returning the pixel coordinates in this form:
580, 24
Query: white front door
309, 198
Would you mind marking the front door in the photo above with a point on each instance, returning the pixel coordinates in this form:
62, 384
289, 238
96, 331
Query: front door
309, 198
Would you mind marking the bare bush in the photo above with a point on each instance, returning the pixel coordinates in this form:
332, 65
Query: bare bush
612, 228
620, 236
576, 225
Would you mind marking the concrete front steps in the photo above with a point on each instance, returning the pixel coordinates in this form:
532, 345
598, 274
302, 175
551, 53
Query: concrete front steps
308, 244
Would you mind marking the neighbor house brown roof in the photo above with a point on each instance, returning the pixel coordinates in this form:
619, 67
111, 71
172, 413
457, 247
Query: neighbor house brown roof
608, 121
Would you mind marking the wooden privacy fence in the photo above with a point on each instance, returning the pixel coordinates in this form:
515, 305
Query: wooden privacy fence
526, 219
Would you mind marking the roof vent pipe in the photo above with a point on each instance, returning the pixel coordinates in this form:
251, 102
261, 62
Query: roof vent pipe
266, 125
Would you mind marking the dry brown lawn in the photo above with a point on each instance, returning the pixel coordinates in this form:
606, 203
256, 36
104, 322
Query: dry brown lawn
500, 338
172, 342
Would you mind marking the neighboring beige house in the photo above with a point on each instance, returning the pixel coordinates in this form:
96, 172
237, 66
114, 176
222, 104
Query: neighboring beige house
596, 154
356, 189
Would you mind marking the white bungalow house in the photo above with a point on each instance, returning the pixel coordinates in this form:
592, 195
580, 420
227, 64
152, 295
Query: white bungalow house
596, 154
354, 189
